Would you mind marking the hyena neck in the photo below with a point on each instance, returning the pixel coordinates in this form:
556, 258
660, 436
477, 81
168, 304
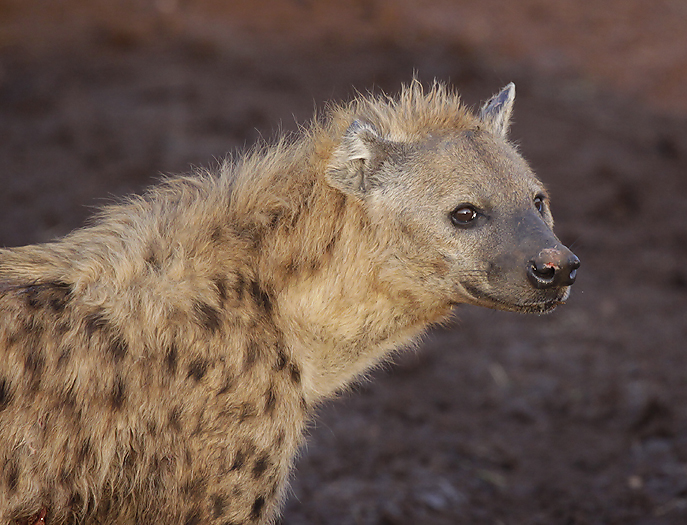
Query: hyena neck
339, 309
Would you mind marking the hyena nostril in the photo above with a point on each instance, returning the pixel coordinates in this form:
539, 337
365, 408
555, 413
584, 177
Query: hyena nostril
541, 275
550, 268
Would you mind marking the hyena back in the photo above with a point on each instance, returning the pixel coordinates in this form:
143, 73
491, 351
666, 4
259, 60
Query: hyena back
160, 364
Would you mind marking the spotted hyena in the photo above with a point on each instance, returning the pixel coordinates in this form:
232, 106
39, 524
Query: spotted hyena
159, 366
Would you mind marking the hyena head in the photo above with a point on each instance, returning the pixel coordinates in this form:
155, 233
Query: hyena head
463, 215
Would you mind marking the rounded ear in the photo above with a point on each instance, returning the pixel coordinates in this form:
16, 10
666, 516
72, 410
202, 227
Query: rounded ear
350, 168
496, 111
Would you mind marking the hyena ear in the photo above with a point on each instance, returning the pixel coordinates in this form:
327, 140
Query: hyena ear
496, 111
353, 165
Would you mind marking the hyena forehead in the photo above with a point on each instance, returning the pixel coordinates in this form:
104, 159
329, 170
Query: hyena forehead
387, 142
475, 166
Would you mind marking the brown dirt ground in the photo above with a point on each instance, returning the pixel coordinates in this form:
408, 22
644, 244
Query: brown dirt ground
578, 417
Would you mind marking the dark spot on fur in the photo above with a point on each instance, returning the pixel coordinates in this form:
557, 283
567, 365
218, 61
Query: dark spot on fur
405, 230
54, 295
256, 509
106, 506
292, 268
331, 244
270, 400
171, 359
295, 373
80, 505
261, 465
198, 369
62, 327
69, 402
118, 349
314, 265
5, 394
85, 451
240, 286
193, 517
34, 364
13, 477
221, 285
76, 501
32, 297
175, 419
251, 232
261, 297
304, 404
94, 322
274, 217
227, 386
158, 470
218, 503
195, 488
153, 261
64, 357
207, 316
239, 461
217, 234
66, 476
282, 360
247, 411
131, 458
118, 395
279, 441
12, 338
151, 426
250, 355
340, 205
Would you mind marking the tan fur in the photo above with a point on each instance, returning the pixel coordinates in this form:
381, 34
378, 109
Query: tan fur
159, 365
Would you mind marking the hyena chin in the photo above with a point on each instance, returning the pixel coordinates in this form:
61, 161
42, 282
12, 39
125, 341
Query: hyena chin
160, 365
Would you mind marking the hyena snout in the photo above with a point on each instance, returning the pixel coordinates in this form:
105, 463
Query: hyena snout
553, 268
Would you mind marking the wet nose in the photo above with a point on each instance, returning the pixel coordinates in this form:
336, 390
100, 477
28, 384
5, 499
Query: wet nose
553, 267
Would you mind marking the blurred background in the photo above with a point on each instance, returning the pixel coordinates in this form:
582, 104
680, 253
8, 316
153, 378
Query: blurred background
578, 417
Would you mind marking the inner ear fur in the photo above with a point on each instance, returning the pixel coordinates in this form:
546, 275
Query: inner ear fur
353, 166
496, 112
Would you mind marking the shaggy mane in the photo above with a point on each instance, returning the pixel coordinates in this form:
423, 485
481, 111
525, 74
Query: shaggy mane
263, 181
412, 114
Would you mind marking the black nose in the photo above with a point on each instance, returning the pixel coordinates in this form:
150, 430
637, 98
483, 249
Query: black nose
553, 267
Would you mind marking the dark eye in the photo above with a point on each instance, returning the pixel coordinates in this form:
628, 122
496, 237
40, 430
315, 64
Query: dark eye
463, 215
539, 204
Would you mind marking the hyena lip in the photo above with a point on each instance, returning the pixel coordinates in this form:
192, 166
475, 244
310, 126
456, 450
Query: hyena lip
544, 306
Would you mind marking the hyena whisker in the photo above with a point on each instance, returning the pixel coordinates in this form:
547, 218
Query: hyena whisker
574, 243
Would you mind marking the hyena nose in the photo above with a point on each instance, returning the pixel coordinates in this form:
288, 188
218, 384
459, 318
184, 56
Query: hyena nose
552, 268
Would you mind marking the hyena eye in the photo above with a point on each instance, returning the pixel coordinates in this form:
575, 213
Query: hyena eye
463, 215
539, 204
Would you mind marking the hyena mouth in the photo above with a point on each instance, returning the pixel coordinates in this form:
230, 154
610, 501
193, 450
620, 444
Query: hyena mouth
542, 305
